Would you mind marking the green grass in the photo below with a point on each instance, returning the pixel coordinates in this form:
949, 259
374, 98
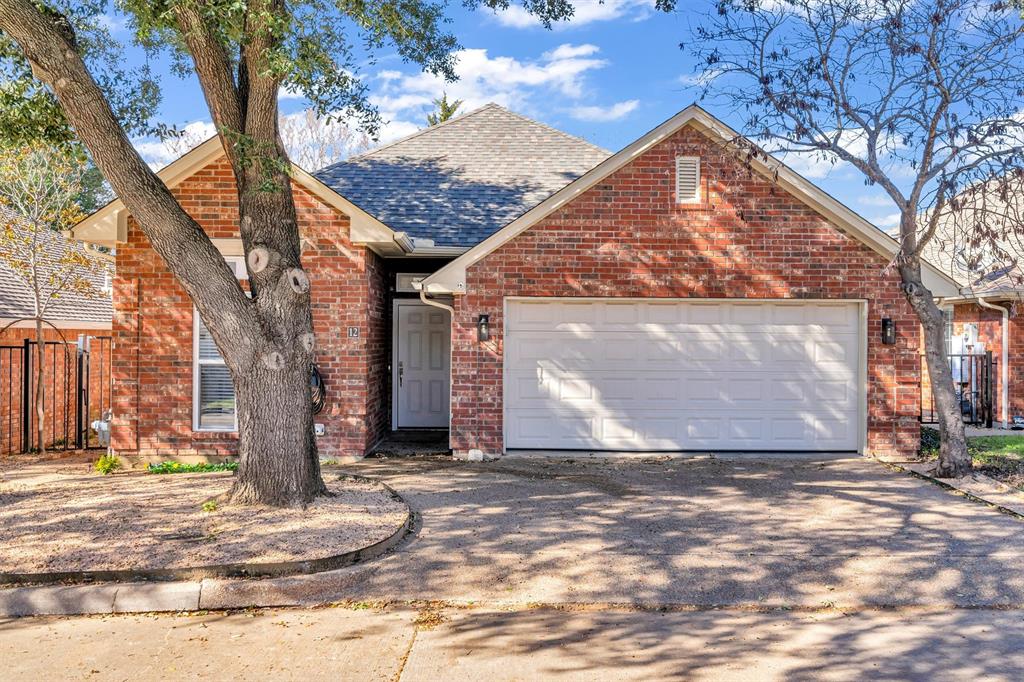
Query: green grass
1001, 457
182, 468
986, 448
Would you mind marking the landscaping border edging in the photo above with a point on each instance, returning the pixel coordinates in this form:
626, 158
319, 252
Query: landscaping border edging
917, 470
231, 570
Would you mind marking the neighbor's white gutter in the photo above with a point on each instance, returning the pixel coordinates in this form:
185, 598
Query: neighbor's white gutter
1004, 369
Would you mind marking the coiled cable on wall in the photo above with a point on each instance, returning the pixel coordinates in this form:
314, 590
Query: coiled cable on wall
318, 390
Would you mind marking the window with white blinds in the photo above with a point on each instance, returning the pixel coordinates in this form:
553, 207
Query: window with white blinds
213, 394
687, 179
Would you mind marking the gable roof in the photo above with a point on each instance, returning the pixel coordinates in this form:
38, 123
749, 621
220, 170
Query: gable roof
72, 307
452, 277
458, 182
109, 225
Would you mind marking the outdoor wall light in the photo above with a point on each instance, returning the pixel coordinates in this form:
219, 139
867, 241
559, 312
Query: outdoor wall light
483, 328
888, 331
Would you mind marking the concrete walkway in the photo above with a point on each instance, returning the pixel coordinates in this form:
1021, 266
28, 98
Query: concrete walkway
487, 644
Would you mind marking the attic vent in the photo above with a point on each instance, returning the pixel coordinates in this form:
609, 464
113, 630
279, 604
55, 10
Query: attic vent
687, 179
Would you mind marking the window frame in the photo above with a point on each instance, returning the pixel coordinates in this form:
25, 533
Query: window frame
237, 264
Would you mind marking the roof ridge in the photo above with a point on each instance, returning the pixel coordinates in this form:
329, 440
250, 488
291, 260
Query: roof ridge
422, 131
555, 130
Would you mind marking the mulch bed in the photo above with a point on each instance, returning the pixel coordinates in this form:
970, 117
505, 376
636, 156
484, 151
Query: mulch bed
57, 517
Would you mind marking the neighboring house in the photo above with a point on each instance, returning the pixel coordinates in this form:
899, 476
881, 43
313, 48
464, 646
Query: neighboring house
72, 312
661, 298
984, 316
71, 315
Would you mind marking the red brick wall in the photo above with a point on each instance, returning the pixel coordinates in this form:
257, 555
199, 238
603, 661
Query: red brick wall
59, 385
153, 329
627, 237
990, 332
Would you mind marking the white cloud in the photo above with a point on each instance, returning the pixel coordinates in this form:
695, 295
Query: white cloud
585, 12
484, 78
886, 222
158, 153
605, 114
112, 22
570, 51
875, 200
286, 93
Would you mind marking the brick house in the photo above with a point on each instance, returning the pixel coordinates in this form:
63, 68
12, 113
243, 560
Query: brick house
523, 289
984, 317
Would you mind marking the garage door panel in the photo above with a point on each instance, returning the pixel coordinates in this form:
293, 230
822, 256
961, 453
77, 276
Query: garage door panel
661, 349
549, 387
648, 375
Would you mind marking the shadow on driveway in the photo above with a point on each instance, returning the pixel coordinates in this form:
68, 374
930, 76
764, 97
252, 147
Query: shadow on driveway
699, 532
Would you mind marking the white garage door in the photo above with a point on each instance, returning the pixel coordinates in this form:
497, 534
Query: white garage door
673, 375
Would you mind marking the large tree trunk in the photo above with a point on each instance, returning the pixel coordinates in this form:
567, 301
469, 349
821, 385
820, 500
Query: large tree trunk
278, 466
954, 459
40, 403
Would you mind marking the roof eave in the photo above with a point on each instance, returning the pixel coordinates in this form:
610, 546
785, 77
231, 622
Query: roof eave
109, 225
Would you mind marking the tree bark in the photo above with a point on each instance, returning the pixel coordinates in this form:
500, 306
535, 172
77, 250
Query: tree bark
40, 403
264, 476
954, 458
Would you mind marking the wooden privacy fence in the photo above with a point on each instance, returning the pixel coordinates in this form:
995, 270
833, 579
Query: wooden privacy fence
76, 392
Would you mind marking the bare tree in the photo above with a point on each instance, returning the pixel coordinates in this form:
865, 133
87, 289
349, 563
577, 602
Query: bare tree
311, 140
315, 141
39, 188
922, 97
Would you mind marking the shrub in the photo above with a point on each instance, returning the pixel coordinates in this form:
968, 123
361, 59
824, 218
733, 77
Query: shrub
107, 464
210, 506
181, 468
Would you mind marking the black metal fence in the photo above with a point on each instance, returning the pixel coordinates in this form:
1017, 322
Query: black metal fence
975, 388
75, 389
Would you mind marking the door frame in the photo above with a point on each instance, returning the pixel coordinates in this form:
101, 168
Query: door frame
395, 337
862, 350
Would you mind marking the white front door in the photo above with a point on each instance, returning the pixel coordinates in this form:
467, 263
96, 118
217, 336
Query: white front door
682, 375
421, 369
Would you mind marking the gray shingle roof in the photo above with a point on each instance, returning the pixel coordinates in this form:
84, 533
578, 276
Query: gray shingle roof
461, 181
16, 295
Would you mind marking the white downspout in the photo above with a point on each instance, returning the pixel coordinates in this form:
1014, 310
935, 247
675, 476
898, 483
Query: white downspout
1004, 369
437, 304
451, 321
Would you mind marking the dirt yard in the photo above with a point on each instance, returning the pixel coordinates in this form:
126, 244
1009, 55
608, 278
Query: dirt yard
60, 516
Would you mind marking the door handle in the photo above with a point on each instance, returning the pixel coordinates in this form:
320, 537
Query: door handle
401, 371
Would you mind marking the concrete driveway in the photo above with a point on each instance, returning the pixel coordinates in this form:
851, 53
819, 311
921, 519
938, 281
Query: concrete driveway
695, 532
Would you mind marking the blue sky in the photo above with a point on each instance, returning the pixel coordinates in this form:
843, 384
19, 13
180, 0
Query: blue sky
611, 74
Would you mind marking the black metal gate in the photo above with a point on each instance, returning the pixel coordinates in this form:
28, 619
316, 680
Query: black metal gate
76, 392
975, 388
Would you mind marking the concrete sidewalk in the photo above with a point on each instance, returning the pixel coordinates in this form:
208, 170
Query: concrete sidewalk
366, 643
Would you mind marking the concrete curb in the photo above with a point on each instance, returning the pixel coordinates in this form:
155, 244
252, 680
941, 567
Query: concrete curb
288, 583
978, 487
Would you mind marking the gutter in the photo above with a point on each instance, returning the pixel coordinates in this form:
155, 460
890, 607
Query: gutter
1004, 369
435, 304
